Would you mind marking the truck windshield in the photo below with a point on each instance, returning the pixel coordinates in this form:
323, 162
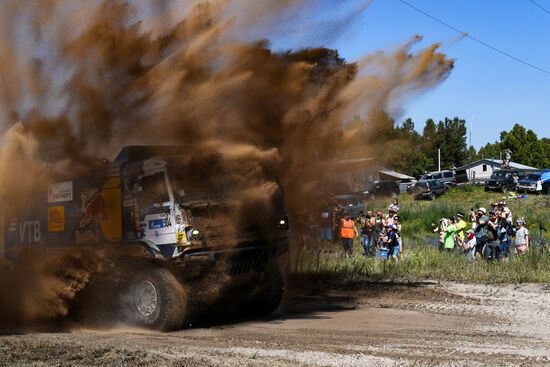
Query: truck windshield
499, 175
153, 194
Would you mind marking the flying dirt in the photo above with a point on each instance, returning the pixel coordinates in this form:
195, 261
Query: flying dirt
241, 133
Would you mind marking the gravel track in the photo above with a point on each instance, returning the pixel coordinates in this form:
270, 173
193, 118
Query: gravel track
416, 324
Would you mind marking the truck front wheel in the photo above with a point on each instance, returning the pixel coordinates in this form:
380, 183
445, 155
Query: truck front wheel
267, 294
155, 299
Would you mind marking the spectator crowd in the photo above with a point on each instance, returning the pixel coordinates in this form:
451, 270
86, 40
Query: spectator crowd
488, 234
380, 234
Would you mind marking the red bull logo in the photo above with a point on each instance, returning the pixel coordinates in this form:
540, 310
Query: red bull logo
94, 210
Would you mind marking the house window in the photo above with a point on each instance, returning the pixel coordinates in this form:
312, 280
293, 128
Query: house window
484, 168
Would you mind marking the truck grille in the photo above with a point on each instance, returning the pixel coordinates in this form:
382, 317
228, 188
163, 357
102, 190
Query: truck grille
240, 266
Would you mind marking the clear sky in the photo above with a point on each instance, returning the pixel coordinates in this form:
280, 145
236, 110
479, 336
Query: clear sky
487, 89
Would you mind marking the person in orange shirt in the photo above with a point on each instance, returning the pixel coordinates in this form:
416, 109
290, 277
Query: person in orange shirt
348, 232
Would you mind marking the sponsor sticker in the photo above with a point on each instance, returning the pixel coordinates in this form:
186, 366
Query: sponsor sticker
60, 192
56, 219
156, 224
94, 210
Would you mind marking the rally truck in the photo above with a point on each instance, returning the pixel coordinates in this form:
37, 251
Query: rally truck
170, 224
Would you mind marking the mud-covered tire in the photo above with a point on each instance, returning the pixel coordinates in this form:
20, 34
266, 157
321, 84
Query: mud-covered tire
267, 294
154, 299
504, 189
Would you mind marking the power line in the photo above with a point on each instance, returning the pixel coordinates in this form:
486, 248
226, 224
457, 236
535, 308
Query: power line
476, 39
540, 7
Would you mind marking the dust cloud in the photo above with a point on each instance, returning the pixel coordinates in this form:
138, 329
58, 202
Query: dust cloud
81, 80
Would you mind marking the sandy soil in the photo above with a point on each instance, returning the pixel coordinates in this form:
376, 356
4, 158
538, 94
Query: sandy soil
433, 324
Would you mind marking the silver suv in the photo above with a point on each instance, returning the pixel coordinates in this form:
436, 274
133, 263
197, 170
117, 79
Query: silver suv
447, 177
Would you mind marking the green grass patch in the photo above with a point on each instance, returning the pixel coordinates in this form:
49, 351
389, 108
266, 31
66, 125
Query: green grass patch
423, 262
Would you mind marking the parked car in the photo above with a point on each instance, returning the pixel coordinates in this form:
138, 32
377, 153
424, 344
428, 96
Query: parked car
529, 183
502, 180
353, 204
382, 188
404, 184
446, 177
428, 189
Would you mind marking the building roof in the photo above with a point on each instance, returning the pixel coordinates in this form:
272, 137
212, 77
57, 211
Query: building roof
497, 163
346, 164
397, 175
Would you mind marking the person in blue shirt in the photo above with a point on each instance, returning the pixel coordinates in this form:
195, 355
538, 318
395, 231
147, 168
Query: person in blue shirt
503, 235
393, 242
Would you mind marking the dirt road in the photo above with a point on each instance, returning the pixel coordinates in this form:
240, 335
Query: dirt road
381, 325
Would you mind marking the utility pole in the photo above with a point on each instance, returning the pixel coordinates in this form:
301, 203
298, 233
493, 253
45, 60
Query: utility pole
439, 159
471, 155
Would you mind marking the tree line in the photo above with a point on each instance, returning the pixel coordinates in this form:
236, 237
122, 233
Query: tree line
417, 153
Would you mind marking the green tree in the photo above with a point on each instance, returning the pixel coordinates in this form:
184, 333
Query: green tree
451, 139
490, 150
525, 146
429, 143
546, 148
407, 157
471, 154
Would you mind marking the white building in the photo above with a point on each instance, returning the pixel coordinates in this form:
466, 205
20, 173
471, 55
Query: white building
482, 169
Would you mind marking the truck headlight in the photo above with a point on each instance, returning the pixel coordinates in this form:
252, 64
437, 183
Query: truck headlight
282, 223
195, 234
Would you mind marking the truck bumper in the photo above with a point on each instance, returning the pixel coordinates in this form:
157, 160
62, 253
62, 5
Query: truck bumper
241, 260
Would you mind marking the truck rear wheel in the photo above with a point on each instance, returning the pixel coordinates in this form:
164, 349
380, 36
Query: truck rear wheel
155, 299
267, 294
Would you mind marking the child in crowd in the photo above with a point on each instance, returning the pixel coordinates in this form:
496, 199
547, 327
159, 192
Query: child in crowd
470, 245
522, 237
